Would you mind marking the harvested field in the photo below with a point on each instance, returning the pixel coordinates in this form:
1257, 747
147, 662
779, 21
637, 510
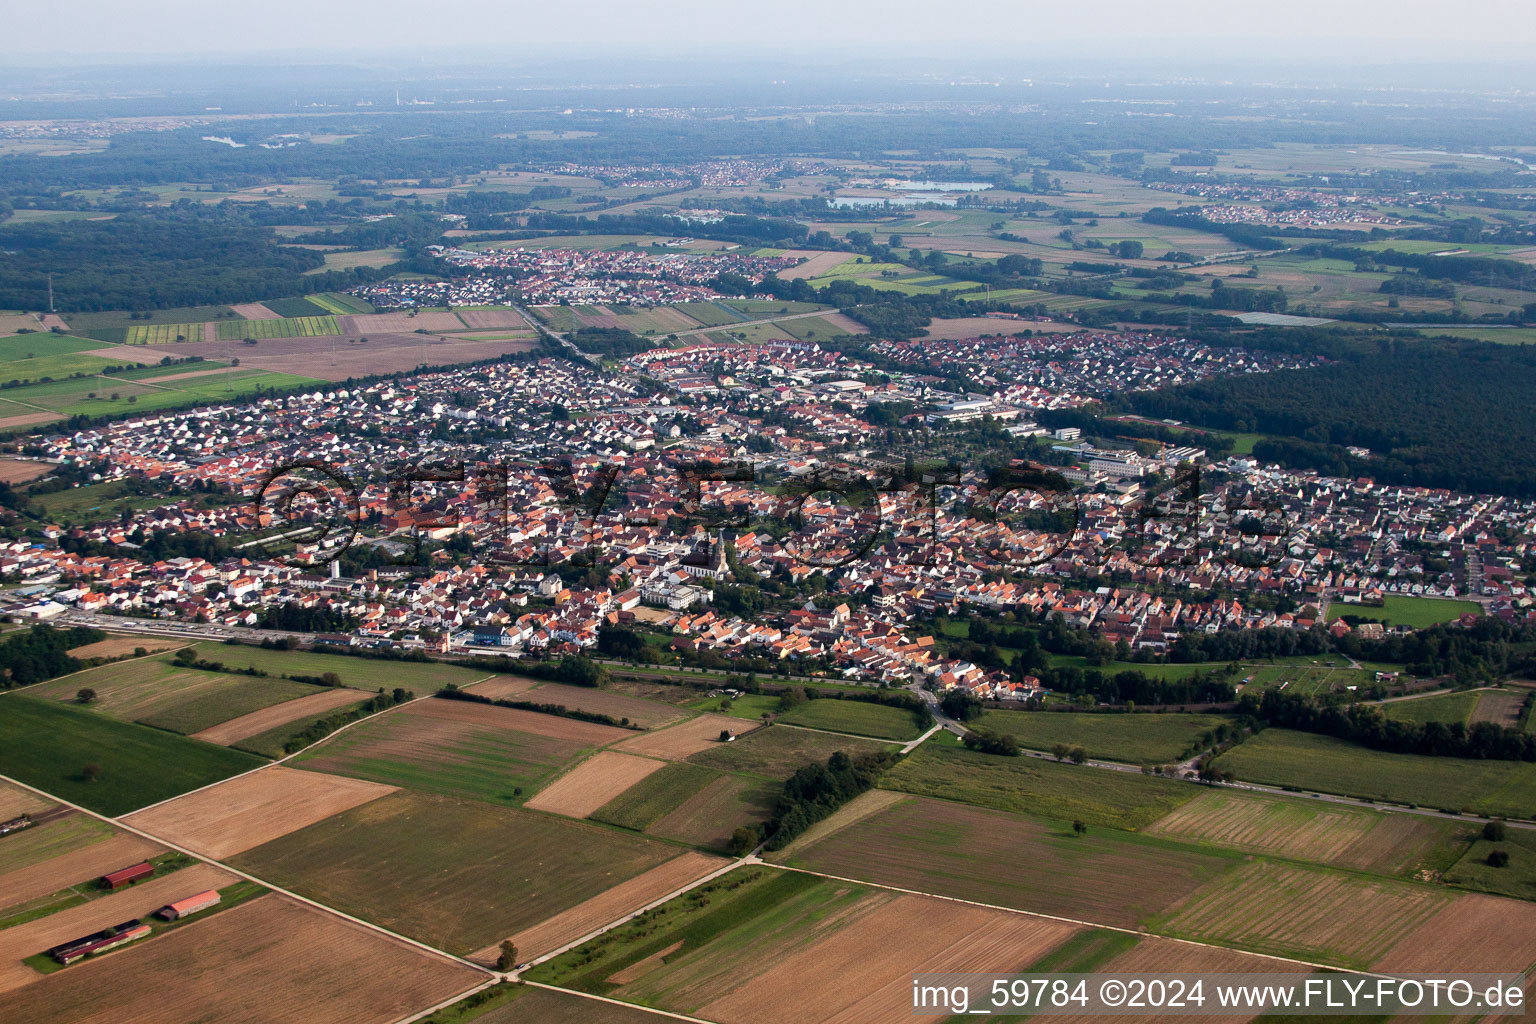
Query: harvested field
316, 705
864, 805
459, 874
762, 947
863, 973
398, 323
816, 262
655, 796
1109, 877
10, 323
141, 900
1310, 913
25, 419
1473, 933
120, 646
14, 800
81, 865
527, 1005
54, 833
690, 737
709, 815
343, 357
17, 471
243, 813
251, 964
460, 748
498, 687
778, 753
255, 311
486, 319
1322, 833
1501, 707
624, 898
649, 714
976, 326
593, 783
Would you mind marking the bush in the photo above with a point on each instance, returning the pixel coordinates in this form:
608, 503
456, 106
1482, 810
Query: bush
1494, 831
1498, 859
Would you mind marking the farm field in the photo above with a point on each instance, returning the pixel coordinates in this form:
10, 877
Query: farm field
1281, 757
259, 954
35, 403
290, 713
418, 863
283, 327
156, 692
51, 838
524, 1004
776, 753
14, 801
1517, 878
690, 804
1448, 707
140, 900
608, 906
1137, 738
593, 783
20, 471
1348, 837
1417, 612
759, 946
121, 646
679, 741
363, 673
460, 748
340, 303
1108, 876
650, 714
48, 745
242, 813
1034, 786
1471, 933
1317, 914
856, 717
38, 885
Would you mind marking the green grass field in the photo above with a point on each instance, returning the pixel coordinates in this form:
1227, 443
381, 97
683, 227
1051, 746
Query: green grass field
856, 717
1447, 707
49, 744
942, 768
775, 753
296, 306
363, 673
461, 874
1415, 612
339, 303
1517, 878
1280, 757
126, 394
1139, 739
288, 327
1107, 875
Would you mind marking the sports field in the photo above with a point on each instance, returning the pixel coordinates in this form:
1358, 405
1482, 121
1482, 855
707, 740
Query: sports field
51, 745
1139, 739
1416, 612
857, 717
459, 874
1281, 757
1107, 875
1034, 786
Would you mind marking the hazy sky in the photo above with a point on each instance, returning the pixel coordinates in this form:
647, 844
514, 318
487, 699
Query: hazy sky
1375, 31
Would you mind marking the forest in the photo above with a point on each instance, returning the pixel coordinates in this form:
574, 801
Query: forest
1433, 415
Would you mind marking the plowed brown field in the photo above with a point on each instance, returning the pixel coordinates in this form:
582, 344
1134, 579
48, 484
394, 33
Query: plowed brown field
243, 813
690, 737
593, 783
317, 705
82, 865
268, 960
624, 898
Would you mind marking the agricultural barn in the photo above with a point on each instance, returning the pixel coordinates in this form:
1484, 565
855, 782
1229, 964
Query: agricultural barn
111, 938
127, 876
190, 905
